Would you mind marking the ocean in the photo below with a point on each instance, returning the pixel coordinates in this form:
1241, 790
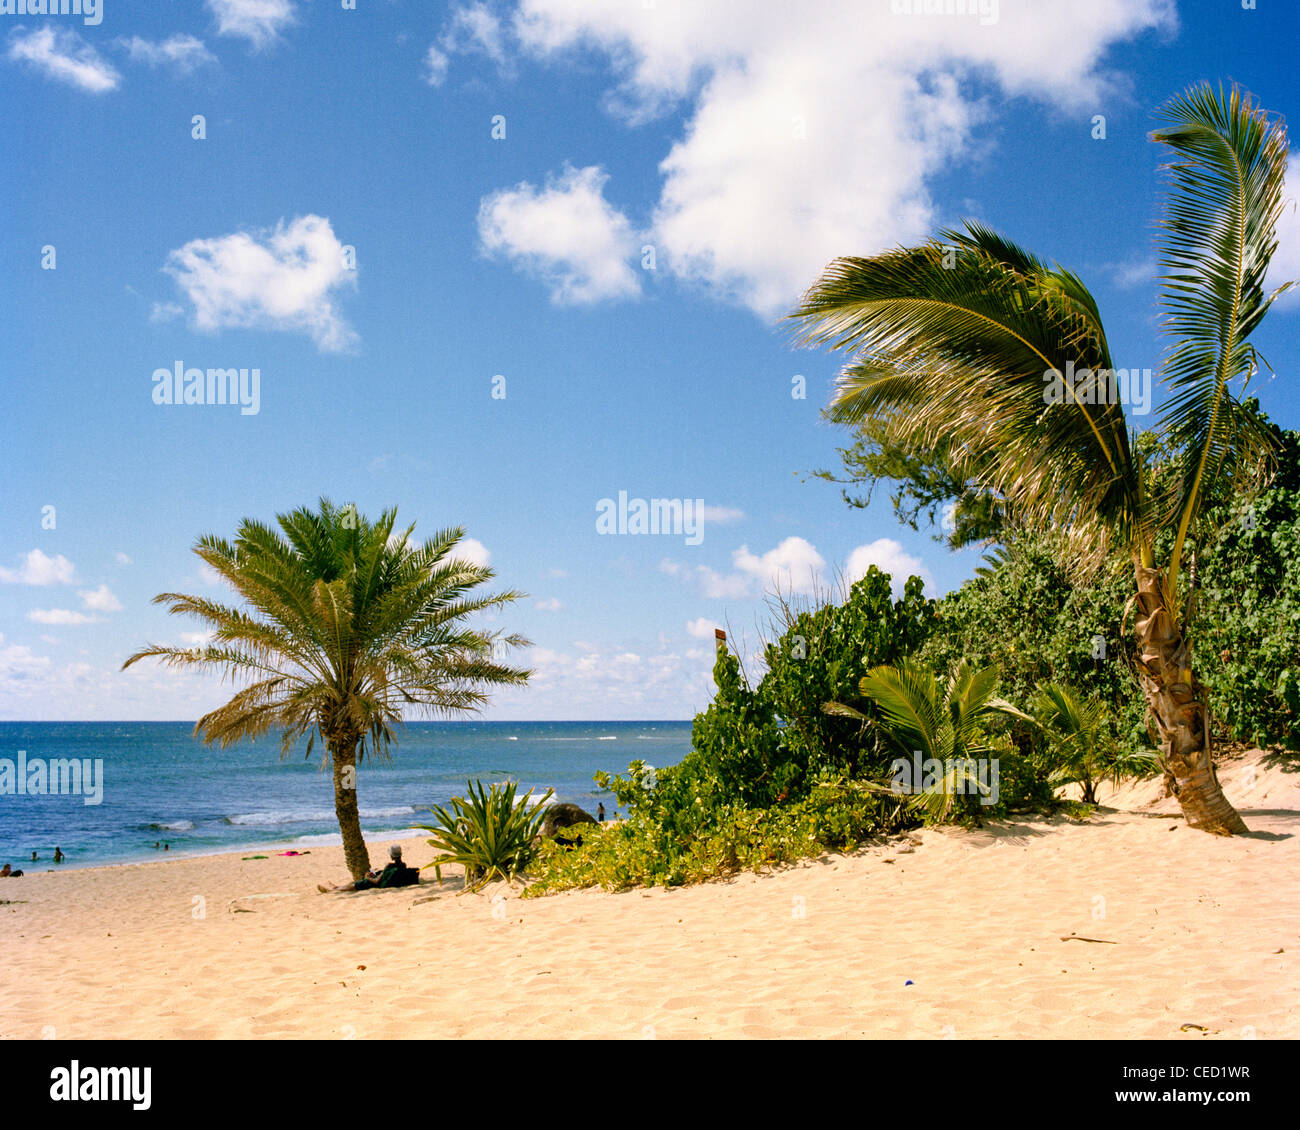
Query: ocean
162, 786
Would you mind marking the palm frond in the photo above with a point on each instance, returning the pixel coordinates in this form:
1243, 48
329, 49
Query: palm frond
1218, 237
979, 350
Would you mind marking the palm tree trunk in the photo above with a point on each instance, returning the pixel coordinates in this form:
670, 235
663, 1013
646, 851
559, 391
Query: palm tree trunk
344, 756
1177, 702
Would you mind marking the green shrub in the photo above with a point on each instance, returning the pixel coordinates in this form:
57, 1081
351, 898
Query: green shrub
491, 834
768, 745
640, 852
1248, 618
952, 725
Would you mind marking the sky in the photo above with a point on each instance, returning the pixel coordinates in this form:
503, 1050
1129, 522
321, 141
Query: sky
497, 263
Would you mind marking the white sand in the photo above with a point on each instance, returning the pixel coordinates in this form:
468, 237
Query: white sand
1206, 932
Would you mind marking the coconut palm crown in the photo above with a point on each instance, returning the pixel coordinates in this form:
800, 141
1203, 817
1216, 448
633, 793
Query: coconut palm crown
346, 627
964, 341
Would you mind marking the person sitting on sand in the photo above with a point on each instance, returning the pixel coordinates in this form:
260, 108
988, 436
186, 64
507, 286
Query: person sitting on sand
6, 873
388, 877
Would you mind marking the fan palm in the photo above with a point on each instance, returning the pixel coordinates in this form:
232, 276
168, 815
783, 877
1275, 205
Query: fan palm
944, 723
965, 340
346, 625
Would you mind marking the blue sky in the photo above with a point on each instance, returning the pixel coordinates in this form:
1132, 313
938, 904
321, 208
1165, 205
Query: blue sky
666, 178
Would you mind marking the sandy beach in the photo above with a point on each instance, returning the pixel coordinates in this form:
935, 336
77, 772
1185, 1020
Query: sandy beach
970, 934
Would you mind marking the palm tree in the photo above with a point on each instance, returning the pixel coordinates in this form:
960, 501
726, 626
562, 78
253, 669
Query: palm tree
971, 341
346, 625
945, 724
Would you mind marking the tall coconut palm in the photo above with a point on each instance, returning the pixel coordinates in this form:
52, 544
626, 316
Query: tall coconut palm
972, 341
346, 626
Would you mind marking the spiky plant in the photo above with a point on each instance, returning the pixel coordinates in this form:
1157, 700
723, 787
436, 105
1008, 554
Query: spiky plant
963, 342
344, 628
489, 833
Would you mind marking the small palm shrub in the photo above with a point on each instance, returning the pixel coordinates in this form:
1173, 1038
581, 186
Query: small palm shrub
1080, 736
945, 725
489, 833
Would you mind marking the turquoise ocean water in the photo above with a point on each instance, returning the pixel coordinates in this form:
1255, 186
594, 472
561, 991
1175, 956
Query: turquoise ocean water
161, 785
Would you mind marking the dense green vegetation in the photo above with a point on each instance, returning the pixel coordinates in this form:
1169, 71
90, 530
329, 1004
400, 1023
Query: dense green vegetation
773, 776
1249, 610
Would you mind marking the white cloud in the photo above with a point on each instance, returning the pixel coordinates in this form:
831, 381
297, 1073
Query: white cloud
473, 552
121, 558
889, 557
715, 585
165, 311
722, 586
38, 569
99, 600
549, 605
435, 66
702, 628
793, 566
721, 515
284, 279
20, 670
567, 233
475, 28
183, 52
1139, 272
62, 54
472, 29
587, 680
209, 576
1286, 260
817, 136
60, 616
258, 21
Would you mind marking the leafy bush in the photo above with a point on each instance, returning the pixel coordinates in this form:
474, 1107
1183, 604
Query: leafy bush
640, 851
737, 746
1248, 619
491, 834
821, 657
768, 745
